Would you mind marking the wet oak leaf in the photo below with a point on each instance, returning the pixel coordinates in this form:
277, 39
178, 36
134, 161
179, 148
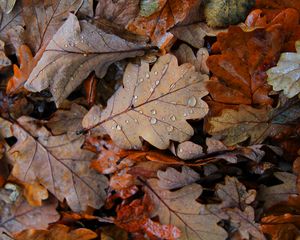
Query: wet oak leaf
57, 231
180, 208
77, 49
239, 69
7, 5
285, 76
154, 104
50, 160
280, 192
167, 15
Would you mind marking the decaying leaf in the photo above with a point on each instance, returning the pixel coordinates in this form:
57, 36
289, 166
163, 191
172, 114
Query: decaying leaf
278, 193
166, 15
77, 49
180, 209
19, 215
50, 160
57, 231
171, 178
286, 75
4, 60
35, 194
150, 104
278, 4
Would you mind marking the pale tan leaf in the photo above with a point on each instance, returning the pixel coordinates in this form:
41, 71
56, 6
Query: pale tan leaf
286, 75
188, 150
77, 49
58, 163
185, 54
155, 104
181, 209
7, 5
278, 193
171, 178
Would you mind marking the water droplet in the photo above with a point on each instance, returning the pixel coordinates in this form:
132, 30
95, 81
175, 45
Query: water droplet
191, 111
147, 75
192, 101
141, 79
135, 97
72, 44
172, 86
153, 111
84, 54
151, 90
66, 45
81, 65
126, 121
173, 118
165, 69
72, 78
185, 114
153, 120
112, 127
155, 73
82, 41
157, 82
180, 150
170, 128
141, 112
118, 127
82, 37
135, 120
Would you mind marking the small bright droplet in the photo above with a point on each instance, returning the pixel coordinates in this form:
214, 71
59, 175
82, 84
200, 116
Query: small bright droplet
112, 127
153, 120
153, 111
141, 79
191, 111
66, 45
185, 114
180, 150
118, 127
141, 112
126, 121
173, 118
147, 75
157, 82
135, 97
72, 78
84, 54
192, 101
135, 120
151, 90
155, 73
170, 128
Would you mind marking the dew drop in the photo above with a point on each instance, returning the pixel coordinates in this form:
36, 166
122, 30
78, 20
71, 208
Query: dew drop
151, 90
185, 114
66, 45
192, 101
155, 73
191, 111
126, 121
118, 127
112, 127
141, 79
135, 120
72, 44
84, 54
72, 78
180, 150
147, 75
153, 111
153, 120
173, 118
170, 128
157, 82
135, 97
172, 86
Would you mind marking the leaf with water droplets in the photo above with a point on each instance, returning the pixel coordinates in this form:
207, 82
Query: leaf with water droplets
77, 49
168, 96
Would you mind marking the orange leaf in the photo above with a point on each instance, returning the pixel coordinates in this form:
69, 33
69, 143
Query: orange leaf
156, 25
278, 4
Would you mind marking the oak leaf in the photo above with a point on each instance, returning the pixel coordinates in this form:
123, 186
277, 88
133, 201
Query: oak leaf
57, 231
167, 14
155, 104
77, 49
181, 209
39, 156
285, 76
7, 5
278, 4
4, 60
239, 70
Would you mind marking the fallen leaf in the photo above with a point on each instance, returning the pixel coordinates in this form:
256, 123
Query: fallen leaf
75, 50
35, 194
278, 193
172, 179
278, 4
156, 25
119, 12
185, 54
57, 231
19, 215
181, 209
188, 150
237, 126
239, 70
4, 60
150, 104
285, 76
221, 13
7, 5
122, 181
39, 156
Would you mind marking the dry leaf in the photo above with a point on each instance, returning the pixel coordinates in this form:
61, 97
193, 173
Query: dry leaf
285, 76
181, 209
278, 193
7, 5
4, 60
77, 49
155, 106
51, 160
171, 178
57, 231
19, 215
119, 12
166, 15
188, 150
185, 54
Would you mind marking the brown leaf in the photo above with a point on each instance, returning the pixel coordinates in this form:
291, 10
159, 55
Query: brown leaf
172, 179
4, 60
51, 160
188, 150
35, 194
77, 49
7, 5
19, 215
165, 16
150, 105
181, 209
278, 193
278, 4
57, 231
119, 12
